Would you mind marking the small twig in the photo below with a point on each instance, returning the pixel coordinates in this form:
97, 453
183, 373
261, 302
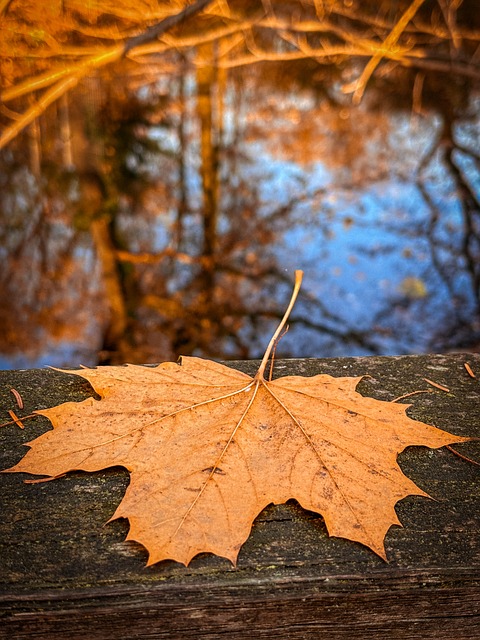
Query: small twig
358, 87
18, 398
63, 80
4, 5
460, 455
436, 385
413, 393
153, 32
16, 419
39, 480
469, 370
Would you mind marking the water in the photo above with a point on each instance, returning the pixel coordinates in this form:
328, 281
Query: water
362, 200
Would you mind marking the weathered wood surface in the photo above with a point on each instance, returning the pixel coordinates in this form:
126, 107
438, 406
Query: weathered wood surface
63, 574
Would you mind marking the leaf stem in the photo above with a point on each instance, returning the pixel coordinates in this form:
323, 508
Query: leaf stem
296, 289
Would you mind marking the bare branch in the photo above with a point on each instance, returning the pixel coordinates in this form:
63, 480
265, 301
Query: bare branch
338, 34
37, 108
359, 85
152, 33
72, 74
4, 6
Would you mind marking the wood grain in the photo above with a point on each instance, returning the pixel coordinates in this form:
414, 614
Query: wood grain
64, 573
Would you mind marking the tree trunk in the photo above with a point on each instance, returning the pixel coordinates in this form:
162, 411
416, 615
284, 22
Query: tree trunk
117, 311
182, 155
206, 78
87, 147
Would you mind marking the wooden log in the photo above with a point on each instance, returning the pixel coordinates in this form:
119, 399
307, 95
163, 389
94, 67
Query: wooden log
65, 574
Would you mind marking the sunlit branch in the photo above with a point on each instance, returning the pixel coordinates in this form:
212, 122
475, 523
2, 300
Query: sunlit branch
168, 41
13, 115
415, 59
152, 33
105, 34
449, 15
390, 41
65, 52
447, 66
37, 108
367, 22
50, 77
358, 36
357, 16
4, 6
76, 72
155, 258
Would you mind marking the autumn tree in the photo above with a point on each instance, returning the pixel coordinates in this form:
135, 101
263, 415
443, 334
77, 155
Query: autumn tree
47, 53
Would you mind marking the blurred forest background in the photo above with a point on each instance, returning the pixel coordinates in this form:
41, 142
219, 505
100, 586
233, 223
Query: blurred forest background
166, 166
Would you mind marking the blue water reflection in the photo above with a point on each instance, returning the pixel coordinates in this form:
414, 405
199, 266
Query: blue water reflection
363, 202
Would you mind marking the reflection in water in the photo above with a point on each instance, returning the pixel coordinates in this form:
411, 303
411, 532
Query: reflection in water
179, 221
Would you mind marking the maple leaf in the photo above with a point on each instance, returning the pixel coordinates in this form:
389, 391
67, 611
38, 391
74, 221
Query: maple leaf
209, 447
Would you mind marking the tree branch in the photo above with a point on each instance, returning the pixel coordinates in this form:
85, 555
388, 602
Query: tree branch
67, 78
153, 32
359, 85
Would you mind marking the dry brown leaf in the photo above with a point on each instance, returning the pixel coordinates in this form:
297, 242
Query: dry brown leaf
469, 370
16, 419
437, 386
209, 447
18, 398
